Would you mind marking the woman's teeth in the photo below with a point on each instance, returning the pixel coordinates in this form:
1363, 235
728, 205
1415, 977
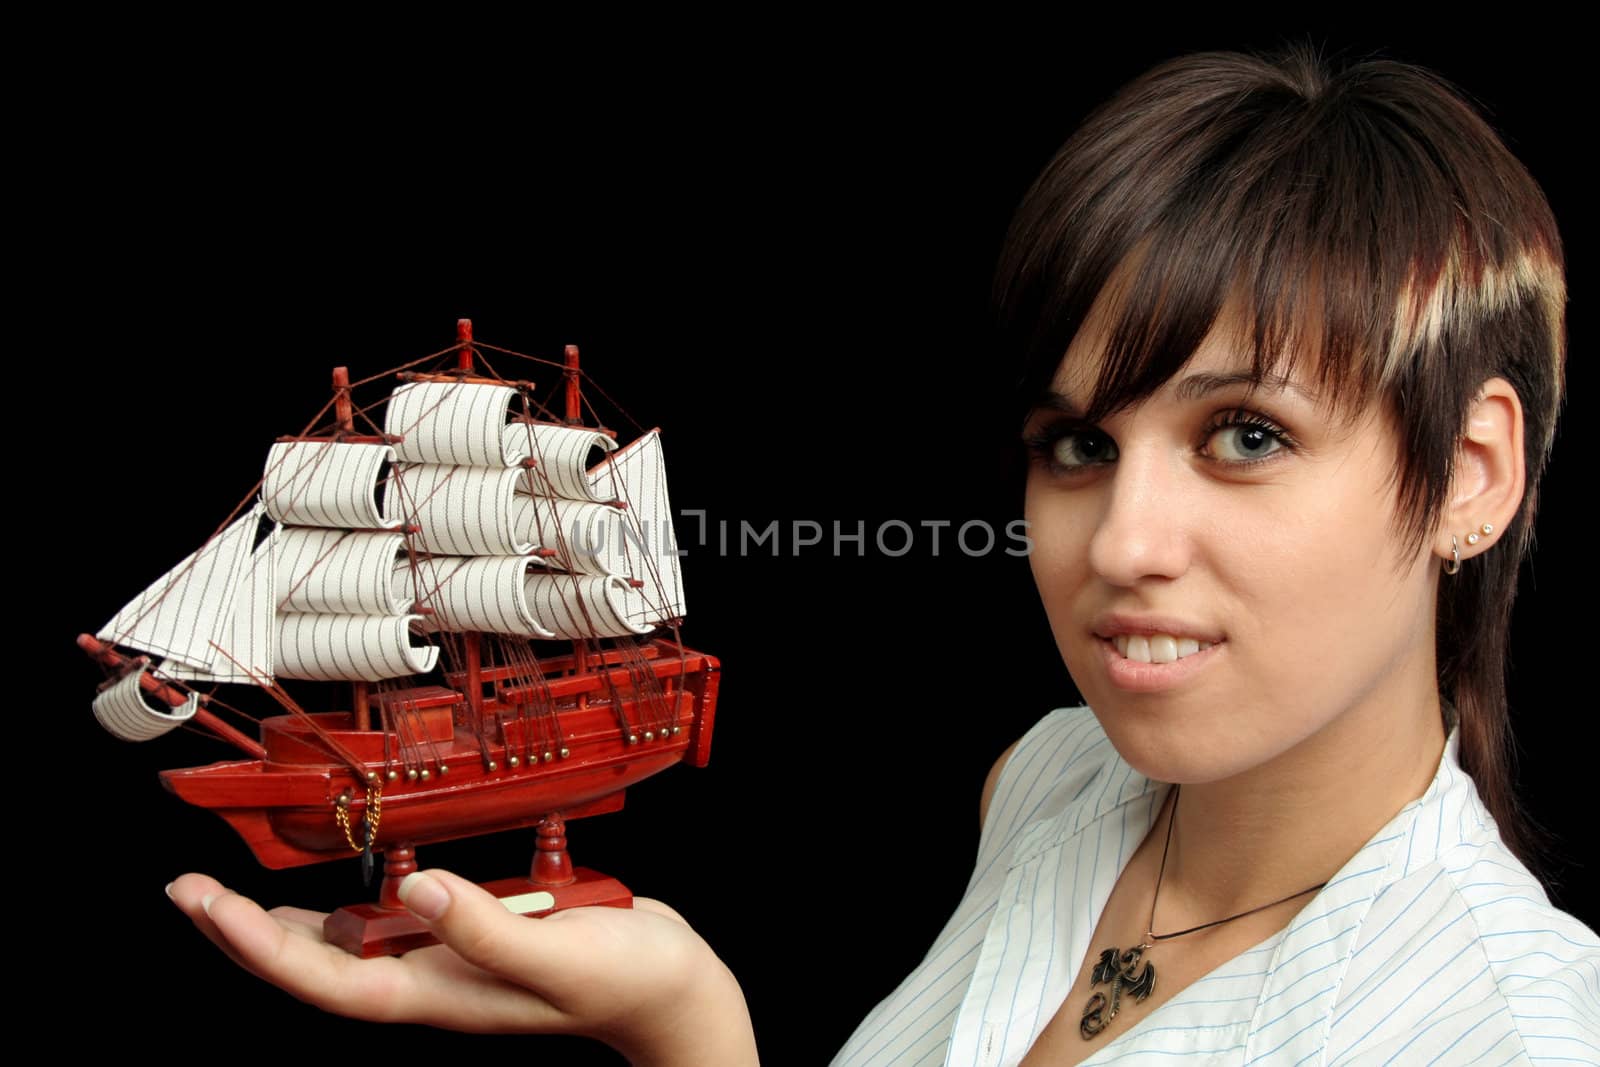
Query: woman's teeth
1157, 648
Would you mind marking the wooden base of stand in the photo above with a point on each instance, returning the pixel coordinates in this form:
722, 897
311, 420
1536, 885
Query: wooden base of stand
368, 930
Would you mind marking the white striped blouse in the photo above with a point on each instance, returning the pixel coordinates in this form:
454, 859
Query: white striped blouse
1434, 944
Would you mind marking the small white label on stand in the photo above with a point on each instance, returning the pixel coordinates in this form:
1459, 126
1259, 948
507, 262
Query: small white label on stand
526, 902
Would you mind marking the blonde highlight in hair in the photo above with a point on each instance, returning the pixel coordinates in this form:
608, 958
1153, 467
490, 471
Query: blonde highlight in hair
1368, 223
1468, 293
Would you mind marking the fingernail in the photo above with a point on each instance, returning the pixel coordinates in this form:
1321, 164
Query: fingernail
426, 898
205, 902
169, 892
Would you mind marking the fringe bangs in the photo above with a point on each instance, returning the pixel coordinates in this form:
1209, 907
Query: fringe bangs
1368, 225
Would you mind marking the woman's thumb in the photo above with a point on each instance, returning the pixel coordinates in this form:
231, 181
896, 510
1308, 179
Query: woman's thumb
474, 924
425, 896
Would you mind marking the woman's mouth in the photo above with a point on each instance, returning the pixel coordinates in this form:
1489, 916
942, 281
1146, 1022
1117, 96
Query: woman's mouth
1149, 663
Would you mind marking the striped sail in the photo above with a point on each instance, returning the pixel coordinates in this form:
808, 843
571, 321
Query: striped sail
562, 456
586, 538
344, 602
487, 594
648, 551
186, 613
460, 511
245, 649
575, 606
350, 647
453, 424
326, 483
338, 572
123, 710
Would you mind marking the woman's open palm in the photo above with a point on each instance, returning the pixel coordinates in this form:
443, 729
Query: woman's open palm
624, 976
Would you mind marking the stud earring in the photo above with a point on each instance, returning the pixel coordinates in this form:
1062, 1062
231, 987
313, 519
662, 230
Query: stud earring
1479, 534
1454, 566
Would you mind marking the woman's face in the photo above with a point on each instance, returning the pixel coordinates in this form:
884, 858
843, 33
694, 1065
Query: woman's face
1255, 524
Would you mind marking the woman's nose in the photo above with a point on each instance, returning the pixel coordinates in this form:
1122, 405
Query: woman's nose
1143, 528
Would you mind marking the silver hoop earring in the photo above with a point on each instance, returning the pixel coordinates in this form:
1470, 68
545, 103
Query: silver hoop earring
1454, 566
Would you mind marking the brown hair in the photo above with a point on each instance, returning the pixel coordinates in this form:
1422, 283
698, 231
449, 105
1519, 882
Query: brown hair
1368, 215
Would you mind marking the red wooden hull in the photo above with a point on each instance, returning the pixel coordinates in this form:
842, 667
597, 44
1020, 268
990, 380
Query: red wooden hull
511, 774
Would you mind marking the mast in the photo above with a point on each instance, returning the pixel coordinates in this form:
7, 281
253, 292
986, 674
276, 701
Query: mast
471, 639
341, 399
361, 708
580, 649
574, 397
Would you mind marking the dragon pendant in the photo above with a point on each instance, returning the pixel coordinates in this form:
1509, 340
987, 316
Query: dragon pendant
1121, 971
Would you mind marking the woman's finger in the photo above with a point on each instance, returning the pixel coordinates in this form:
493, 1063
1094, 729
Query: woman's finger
307, 967
285, 947
190, 892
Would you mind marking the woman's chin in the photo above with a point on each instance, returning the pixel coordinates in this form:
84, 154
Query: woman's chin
1174, 749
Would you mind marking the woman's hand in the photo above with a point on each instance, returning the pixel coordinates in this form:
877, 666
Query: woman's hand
640, 980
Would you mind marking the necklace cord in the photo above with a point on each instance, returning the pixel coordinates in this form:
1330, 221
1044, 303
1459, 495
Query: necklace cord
1150, 928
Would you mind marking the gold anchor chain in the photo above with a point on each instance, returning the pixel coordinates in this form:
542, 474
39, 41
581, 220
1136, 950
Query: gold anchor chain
341, 815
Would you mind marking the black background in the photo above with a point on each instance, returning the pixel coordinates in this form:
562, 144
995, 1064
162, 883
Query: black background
782, 259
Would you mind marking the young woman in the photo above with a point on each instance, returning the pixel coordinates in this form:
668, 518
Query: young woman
1293, 342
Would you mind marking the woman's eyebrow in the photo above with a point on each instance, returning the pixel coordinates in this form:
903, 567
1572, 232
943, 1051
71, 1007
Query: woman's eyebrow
1190, 388
1050, 400
1199, 385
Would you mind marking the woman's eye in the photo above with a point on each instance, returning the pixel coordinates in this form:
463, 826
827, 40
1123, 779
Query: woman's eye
1242, 443
1082, 448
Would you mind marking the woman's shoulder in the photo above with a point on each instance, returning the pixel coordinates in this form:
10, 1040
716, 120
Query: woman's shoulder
1066, 744
1469, 977
1545, 963
1046, 773
1465, 955
1065, 732
1047, 767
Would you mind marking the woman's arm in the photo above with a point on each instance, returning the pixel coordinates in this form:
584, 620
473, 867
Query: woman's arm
641, 980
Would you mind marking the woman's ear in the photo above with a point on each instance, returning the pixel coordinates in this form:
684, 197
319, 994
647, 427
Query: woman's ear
1486, 489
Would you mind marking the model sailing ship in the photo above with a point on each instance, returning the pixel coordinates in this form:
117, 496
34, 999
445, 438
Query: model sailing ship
499, 590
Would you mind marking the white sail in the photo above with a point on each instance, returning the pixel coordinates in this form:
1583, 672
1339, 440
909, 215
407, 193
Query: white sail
189, 609
123, 710
330, 648
459, 511
486, 593
341, 573
575, 606
561, 457
516, 442
638, 477
326, 483
246, 643
587, 538
453, 423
